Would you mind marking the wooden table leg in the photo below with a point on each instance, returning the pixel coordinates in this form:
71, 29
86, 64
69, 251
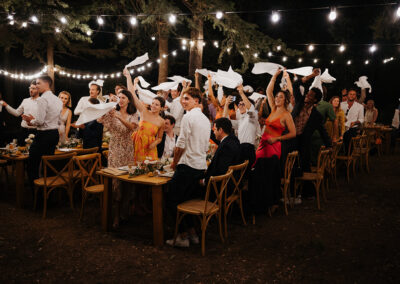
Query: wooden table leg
158, 230
387, 142
107, 205
19, 182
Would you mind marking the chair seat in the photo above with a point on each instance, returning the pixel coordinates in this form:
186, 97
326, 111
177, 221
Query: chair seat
95, 188
3, 162
196, 206
344, 158
51, 181
75, 174
232, 198
310, 176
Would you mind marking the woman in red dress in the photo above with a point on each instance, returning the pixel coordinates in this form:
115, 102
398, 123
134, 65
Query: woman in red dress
265, 182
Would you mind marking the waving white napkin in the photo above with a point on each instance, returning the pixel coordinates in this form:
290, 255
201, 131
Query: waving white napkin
396, 119
326, 77
229, 79
166, 86
266, 67
147, 96
138, 60
92, 112
205, 72
97, 82
179, 79
317, 83
255, 96
302, 71
143, 82
363, 83
248, 89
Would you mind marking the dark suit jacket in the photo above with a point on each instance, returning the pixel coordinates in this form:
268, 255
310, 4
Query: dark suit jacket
161, 145
227, 154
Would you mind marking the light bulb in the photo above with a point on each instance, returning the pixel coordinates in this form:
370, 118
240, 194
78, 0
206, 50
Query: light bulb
184, 41
300, 60
63, 20
174, 53
89, 32
100, 21
153, 38
34, 19
366, 62
275, 17
332, 15
58, 30
133, 21
342, 48
284, 59
219, 15
348, 62
172, 19
310, 47
120, 36
373, 48
24, 24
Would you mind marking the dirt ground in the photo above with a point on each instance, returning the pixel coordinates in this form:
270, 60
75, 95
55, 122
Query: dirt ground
353, 239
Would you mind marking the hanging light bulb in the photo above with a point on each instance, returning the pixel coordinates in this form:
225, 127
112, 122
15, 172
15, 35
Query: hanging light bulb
133, 21
332, 15
174, 53
255, 55
184, 41
342, 48
275, 17
153, 38
348, 62
100, 21
63, 20
219, 15
284, 59
300, 60
172, 19
373, 48
120, 36
24, 24
183, 47
148, 64
158, 60
269, 54
278, 47
366, 62
310, 47
164, 55
58, 30
34, 19
89, 32
315, 60
332, 61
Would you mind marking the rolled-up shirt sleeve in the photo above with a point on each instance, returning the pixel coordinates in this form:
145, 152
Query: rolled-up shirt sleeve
184, 133
41, 107
15, 112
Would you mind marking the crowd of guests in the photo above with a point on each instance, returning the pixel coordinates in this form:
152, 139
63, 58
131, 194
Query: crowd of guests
185, 123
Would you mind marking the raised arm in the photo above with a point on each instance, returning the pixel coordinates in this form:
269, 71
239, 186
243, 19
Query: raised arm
14, 112
196, 80
211, 92
270, 89
226, 110
288, 82
363, 95
243, 96
132, 88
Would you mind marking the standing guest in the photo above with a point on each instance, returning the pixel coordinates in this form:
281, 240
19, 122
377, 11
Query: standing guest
354, 112
65, 117
121, 123
112, 97
337, 127
189, 161
264, 186
118, 88
28, 106
151, 125
49, 108
91, 132
371, 113
167, 145
94, 92
344, 95
176, 109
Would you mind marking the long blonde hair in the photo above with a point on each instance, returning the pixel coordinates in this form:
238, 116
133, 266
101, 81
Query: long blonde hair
69, 103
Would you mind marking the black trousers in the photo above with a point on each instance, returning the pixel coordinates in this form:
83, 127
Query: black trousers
23, 133
247, 152
44, 143
352, 132
183, 186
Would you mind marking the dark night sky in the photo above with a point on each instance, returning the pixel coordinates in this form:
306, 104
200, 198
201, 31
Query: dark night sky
296, 27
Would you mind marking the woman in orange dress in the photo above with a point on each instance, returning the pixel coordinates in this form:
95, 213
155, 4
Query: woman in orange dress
265, 181
151, 125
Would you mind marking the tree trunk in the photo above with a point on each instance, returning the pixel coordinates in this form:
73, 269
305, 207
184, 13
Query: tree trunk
8, 82
50, 61
162, 49
196, 51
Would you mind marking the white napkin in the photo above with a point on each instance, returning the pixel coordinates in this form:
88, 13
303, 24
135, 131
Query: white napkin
229, 79
97, 82
255, 96
283, 83
302, 71
248, 89
326, 77
220, 93
266, 67
317, 83
147, 96
92, 112
143, 82
396, 119
179, 79
166, 86
363, 83
138, 60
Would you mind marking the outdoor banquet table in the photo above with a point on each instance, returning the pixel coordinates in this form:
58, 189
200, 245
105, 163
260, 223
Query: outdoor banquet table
19, 161
383, 132
153, 183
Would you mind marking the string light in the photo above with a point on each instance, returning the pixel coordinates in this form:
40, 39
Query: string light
183, 47
348, 62
172, 19
191, 43
284, 59
184, 41
10, 17
63, 20
247, 46
366, 62
100, 21
332, 61
269, 54
120, 36
332, 15
12, 22
164, 56
133, 21
174, 53
310, 47
216, 44
34, 19
158, 60
398, 12
24, 24
315, 60
275, 17
255, 55
373, 48
89, 32
219, 15
57, 30
342, 48
278, 47
300, 60
153, 38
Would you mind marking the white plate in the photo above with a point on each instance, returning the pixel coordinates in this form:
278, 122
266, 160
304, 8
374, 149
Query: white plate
168, 174
66, 149
126, 168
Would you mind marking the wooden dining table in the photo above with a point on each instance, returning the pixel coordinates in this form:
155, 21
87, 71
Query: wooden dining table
155, 184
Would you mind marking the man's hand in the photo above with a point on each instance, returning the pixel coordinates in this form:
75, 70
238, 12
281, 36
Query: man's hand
28, 118
173, 165
240, 88
3, 103
126, 73
277, 72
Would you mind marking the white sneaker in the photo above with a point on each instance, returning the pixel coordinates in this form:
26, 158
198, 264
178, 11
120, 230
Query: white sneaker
194, 239
179, 242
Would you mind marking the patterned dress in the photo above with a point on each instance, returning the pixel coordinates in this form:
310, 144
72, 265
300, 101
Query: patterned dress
142, 138
120, 147
61, 125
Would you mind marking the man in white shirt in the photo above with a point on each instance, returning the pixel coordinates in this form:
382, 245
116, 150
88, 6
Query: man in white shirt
46, 121
354, 112
189, 162
28, 106
176, 109
94, 92
165, 149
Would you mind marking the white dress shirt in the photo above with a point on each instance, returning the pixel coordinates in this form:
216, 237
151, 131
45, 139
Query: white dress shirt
194, 138
356, 112
28, 106
82, 104
247, 126
49, 111
176, 110
169, 146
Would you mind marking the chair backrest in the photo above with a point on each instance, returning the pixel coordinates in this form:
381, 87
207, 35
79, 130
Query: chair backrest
51, 164
105, 154
240, 170
87, 151
88, 165
323, 158
219, 184
335, 152
364, 142
355, 146
290, 160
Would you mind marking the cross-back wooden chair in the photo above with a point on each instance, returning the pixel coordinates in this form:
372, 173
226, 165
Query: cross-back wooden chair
76, 173
91, 182
364, 151
3, 166
350, 156
54, 178
238, 172
204, 208
315, 177
285, 181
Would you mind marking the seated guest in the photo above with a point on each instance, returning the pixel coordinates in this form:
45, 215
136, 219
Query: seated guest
28, 106
354, 112
336, 128
91, 132
371, 113
167, 145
